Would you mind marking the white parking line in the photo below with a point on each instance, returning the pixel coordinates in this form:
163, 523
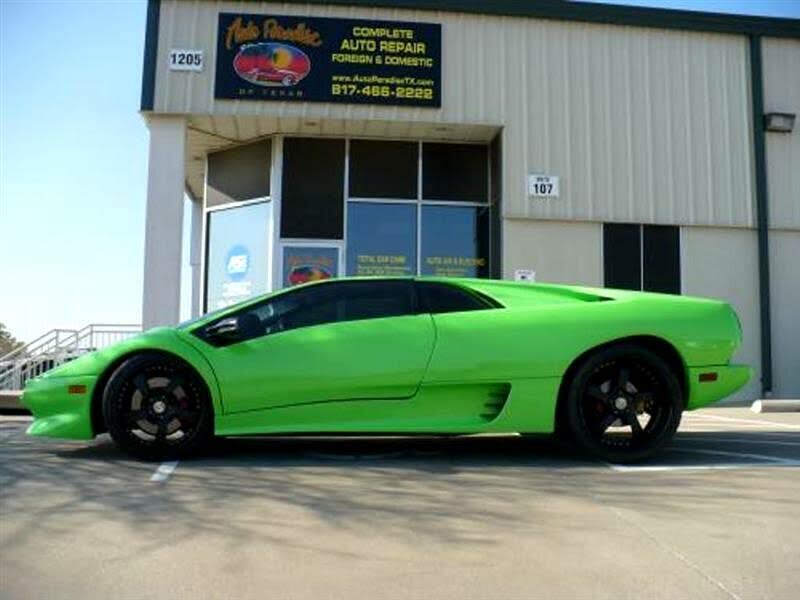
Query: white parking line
761, 457
746, 421
724, 467
757, 460
722, 440
164, 470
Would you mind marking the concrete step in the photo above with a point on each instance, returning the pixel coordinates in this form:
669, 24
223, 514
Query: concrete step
776, 405
9, 399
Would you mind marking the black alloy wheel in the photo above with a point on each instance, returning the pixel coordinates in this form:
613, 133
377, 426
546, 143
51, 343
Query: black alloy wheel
156, 407
624, 404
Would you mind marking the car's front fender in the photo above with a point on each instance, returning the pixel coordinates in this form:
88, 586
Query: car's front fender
61, 399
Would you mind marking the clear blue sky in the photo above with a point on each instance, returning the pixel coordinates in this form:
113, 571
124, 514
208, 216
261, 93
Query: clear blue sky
73, 158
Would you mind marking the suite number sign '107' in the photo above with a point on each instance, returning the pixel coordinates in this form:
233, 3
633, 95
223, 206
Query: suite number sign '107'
544, 186
310, 59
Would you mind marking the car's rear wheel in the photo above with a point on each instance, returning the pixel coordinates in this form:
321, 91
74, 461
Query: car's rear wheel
624, 403
157, 407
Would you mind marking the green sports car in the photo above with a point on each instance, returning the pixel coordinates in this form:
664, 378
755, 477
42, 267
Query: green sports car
612, 370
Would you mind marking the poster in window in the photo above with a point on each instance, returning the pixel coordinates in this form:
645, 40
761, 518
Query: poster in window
238, 254
303, 264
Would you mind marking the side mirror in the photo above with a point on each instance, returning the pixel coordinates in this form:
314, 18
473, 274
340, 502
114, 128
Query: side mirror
224, 330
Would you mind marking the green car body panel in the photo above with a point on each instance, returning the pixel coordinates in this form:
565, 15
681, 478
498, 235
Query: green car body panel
495, 370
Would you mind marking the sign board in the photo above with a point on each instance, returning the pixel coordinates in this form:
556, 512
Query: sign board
185, 60
239, 254
543, 186
525, 275
315, 59
302, 264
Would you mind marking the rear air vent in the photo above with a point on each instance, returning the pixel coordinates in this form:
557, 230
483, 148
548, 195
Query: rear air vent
496, 398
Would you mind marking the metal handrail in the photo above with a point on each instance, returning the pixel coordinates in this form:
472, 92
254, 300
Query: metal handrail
42, 340
57, 347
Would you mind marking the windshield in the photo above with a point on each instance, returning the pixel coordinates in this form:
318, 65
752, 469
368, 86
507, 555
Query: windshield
193, 320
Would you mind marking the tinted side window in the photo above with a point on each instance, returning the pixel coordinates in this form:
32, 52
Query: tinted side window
441, 298
327, 303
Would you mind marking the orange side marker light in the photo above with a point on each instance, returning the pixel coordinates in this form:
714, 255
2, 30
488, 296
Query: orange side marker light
708, 377
77, 389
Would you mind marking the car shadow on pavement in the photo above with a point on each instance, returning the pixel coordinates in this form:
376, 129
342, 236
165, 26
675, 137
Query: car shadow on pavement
451, 489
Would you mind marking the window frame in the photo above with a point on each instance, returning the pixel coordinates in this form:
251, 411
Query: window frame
420, 201
643, 232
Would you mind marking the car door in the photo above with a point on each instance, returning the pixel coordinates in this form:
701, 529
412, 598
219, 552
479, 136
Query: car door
326, 342
464, 351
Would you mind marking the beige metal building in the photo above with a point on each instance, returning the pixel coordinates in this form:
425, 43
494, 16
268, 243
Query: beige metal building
590, 144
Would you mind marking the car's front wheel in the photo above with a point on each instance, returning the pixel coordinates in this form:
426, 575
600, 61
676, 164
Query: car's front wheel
157, 407
624, 403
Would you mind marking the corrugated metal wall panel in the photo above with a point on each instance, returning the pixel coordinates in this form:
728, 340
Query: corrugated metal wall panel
781, 59
641, 124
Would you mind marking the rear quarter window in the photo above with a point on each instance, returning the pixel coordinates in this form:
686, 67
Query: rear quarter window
438, 298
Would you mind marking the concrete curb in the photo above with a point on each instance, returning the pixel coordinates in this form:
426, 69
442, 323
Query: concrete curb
775, 405
10, 400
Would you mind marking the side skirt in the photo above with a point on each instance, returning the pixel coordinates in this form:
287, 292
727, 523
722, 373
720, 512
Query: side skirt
524, 406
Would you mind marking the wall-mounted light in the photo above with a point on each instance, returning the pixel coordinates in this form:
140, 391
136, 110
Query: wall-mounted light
782, 122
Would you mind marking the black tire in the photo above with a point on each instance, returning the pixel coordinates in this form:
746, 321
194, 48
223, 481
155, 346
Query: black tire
156, 407
610, 395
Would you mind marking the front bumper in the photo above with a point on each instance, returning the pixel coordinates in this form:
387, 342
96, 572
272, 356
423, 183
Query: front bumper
57, 411
730, 378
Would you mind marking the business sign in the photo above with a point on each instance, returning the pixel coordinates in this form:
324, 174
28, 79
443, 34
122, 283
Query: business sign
544, 186
302, 264
239, 251
310, 59
525, 275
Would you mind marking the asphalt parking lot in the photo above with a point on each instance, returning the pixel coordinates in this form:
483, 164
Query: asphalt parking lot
716, 516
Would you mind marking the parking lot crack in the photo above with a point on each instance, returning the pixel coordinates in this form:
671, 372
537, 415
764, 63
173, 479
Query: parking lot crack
673, 551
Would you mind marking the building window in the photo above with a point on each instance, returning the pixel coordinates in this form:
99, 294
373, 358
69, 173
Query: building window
661, 259
458, 172
440, 228
383, 169
454, 241
312, 204
381, 239
642, 257
411, 208
239, 174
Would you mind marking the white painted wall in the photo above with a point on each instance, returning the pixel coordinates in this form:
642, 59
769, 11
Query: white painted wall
643, 125
785, 300
559, 251
781, 61
723, 263
161, 303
